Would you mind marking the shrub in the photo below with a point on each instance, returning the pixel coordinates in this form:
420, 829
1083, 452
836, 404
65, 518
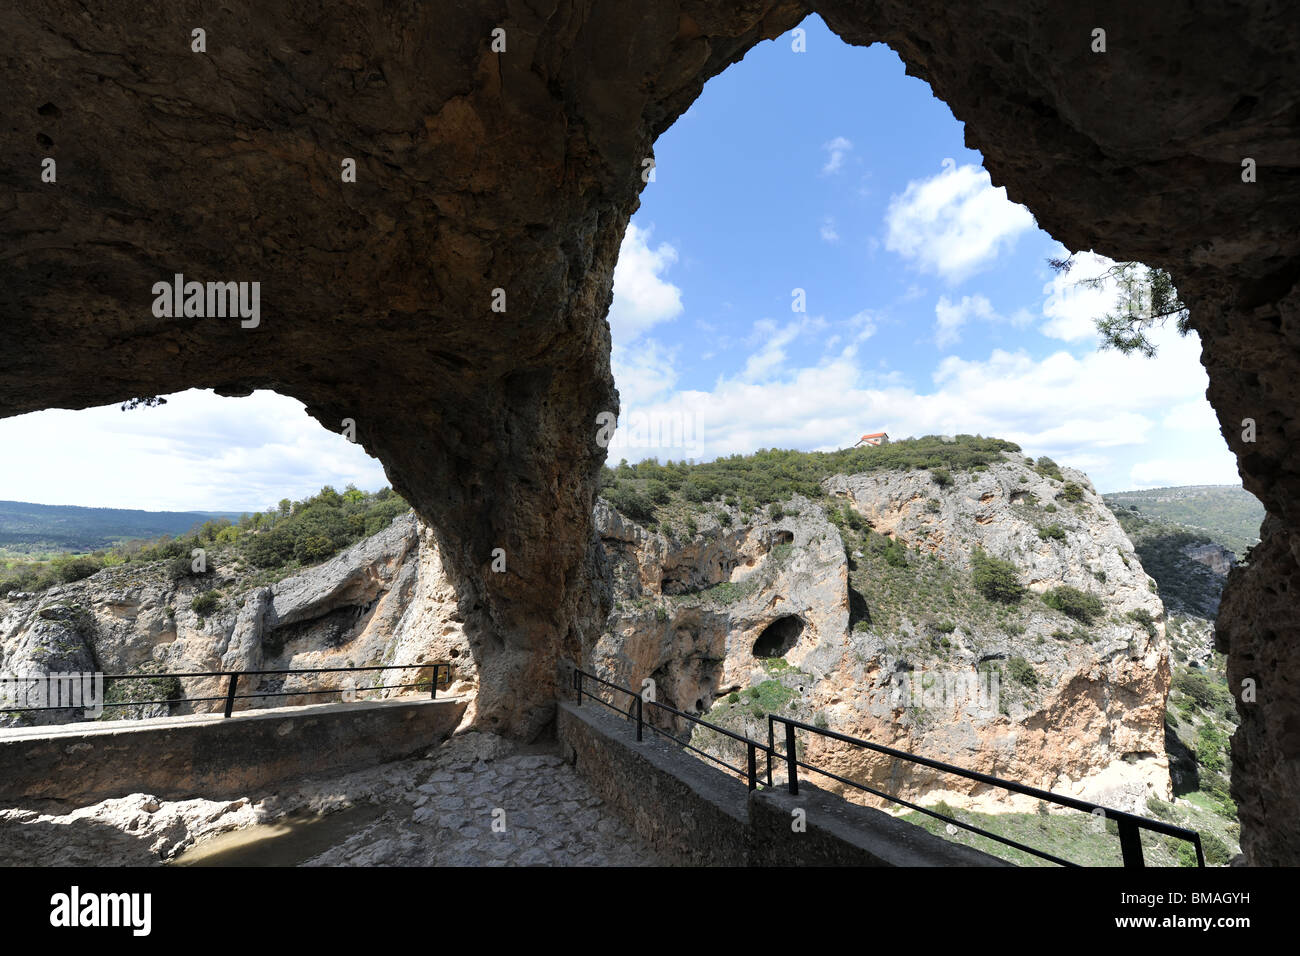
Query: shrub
1072, 602
178, 568
895, 554
693, 492
775, 511
733, 698
206, 603
1143, 617
312, 548
1048, 468
1210, 747
1050, 509
996, 580
1200, 689
1216, 851
630, 502
1022, 671
1072, 492
1053, 531
942, 477
658, 492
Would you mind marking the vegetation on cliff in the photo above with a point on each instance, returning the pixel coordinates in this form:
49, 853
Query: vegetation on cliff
650, 492
292, 535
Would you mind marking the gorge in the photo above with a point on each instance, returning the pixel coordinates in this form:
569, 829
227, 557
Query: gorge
522, 169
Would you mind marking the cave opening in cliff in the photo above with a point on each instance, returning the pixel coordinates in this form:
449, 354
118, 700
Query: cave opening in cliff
779, 637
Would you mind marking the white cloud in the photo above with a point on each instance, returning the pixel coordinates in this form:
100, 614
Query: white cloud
1102, 411
828, 232
642, 298
836, 150
771, 354
954, 223
950, 317
197, 452
643, 371
1188, 470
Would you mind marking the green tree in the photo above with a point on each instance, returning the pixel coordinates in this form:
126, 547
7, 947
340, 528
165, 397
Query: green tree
1145, 298
996, 580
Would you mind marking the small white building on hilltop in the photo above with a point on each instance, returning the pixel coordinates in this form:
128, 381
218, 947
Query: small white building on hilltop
876, 438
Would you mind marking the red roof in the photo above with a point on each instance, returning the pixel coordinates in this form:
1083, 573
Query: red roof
872, 435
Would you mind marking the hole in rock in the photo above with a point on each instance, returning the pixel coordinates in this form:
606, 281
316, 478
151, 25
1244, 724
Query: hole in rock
779, 637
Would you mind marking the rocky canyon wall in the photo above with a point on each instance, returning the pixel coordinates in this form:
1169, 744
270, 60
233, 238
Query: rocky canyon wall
518, 171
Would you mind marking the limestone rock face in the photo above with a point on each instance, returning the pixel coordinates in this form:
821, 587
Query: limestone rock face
518, 171
770, 601
1214, 556
385, 600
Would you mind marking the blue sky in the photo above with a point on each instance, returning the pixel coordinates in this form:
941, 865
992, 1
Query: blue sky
928, 308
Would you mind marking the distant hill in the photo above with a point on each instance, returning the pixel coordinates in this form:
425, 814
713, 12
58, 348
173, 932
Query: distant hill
32, 529
1227, 514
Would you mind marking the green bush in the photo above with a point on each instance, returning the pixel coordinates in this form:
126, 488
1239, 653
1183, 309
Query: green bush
206, 603
1215, 850
1072, 602
630, 502
1048, 468
995, 579
1143, 617
1196, 685
1072, 492
942, 477
775, 511
1022, 671
1211, 748
658, 492
1053, 531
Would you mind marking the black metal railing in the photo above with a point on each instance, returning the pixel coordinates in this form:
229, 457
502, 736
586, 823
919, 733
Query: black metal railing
636, 712
232, 686
1129, 825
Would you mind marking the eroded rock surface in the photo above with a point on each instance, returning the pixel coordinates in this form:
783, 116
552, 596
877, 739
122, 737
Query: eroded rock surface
767, 607
518, 171
385, 600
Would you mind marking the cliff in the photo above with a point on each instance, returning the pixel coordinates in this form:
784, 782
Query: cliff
385, 600
856, 609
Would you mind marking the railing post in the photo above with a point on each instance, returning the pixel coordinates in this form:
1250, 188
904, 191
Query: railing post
230, 693
577, 684
1130, 842
771, 745
639, 719
792, 765
753, 765
433, 691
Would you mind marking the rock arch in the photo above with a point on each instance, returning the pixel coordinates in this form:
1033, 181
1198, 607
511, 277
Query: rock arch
478, 171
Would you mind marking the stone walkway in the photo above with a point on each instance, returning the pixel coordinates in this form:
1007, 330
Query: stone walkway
478, 800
